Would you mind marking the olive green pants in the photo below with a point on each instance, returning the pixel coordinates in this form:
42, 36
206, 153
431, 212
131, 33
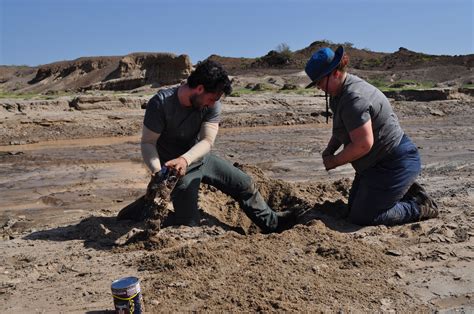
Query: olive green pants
230, 180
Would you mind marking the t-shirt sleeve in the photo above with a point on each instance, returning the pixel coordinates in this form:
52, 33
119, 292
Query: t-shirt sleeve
154, 115
356, 113
213, 115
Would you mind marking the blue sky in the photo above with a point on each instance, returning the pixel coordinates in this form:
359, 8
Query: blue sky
34, 32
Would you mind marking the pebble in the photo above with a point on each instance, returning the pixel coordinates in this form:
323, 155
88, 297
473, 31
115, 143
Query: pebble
393, 253
443, 257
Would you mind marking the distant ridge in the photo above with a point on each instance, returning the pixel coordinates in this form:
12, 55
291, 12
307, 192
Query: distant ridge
158, 69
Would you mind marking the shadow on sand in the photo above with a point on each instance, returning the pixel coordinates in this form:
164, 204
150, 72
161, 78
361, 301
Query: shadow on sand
332, 214
105, 233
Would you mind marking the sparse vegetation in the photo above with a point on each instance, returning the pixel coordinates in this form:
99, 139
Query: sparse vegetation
246, 91
283, 48
373, 62
13, 95
242, 91
348, 44
28, 96
298, 91
400, 85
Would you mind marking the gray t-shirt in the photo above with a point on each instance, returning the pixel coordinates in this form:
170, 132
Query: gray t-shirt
177, 125
358, 102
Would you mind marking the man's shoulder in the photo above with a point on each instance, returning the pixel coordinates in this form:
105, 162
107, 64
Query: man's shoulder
356, 89
164, 95
217, 106
355, 85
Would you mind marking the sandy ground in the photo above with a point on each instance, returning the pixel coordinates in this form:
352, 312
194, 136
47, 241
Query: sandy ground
72, 171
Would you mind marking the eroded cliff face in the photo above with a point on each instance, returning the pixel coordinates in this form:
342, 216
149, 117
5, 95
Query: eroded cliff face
160, 68
103, 73
140, 69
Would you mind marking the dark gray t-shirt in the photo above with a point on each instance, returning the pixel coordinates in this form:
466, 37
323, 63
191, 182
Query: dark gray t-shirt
358, 102
177, 125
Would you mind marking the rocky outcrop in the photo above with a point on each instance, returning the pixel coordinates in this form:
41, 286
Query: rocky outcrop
420, 94
80, 67
111, 73
467, 90
106, 102
119, 84
14, 105
152, 68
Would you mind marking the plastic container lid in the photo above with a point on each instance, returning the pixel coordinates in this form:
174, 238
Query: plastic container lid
125, 282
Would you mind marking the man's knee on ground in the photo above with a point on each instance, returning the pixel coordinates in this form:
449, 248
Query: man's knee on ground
358, 217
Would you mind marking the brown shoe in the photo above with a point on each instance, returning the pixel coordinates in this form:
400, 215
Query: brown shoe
414, 190
428, 207
286, 220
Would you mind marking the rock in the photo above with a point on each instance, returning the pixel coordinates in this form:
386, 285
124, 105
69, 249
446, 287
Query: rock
468, 91
17, 142
154, 302
436, 112
385, 304
109, 105
449, 233
160, 68
134, 103
126, 237
419, 94
258, 87
393, 252
289, 87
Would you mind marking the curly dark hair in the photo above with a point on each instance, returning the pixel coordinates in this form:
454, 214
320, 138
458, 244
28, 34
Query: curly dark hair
212, 76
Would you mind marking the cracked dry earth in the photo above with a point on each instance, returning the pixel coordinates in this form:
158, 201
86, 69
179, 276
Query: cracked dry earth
62, 246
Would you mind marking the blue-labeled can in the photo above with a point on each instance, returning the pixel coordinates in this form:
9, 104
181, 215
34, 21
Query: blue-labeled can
127, 296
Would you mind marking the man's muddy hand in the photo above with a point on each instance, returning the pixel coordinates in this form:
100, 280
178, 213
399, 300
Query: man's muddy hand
179, 164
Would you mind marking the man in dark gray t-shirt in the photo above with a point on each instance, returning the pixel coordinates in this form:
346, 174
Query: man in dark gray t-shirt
386, 162
178, 126
179, 129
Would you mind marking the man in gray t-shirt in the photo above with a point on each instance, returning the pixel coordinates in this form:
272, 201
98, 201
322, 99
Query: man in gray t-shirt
179, 126
358, 103
386, 161
179, 129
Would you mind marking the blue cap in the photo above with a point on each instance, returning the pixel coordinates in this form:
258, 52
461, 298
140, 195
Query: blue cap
322, 63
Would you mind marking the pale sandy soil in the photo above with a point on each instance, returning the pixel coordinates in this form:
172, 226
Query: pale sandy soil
61, 192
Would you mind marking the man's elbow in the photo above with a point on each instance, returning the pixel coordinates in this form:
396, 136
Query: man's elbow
209, 141
366, 146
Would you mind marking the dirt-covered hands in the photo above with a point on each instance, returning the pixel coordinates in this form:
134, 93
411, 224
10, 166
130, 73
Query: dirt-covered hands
330, 161
179, 164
